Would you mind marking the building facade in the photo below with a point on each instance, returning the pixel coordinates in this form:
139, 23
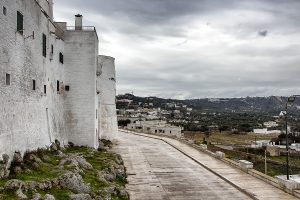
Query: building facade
49, 80
156, 127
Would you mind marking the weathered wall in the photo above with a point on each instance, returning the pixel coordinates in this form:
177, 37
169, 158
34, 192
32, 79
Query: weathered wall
107, 102
80, 74
29, 118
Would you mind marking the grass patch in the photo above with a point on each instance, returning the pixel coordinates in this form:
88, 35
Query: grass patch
45, 171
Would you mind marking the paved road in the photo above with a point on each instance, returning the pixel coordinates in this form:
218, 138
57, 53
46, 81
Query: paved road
158, 171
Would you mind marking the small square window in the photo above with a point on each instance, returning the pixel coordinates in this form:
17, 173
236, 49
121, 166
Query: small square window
33, 84
7, 79
67, 88
4, 10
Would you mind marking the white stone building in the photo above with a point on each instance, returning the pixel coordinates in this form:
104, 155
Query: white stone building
48, 80
156, 127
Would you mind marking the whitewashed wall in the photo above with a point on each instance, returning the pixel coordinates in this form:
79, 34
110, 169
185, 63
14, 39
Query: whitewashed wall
80, 74
23, 116
107, 102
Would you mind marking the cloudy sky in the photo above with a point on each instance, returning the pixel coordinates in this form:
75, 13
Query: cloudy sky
197, 48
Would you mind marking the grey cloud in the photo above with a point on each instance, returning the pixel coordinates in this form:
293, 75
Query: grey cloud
197, 48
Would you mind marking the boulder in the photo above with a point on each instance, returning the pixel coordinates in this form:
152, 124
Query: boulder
31, 185
77, 161
5, 159
53, 147
14, 184
74, 182
49, 197
119, 159
17, 159
80, 197
101, 146
20, 195
37, 196
45, 185
123, 194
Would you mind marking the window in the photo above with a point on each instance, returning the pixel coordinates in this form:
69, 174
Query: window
52, 49
96, 113
20, 27
57, 86
61, 58
45, 89
44, 45
33, 84
7, 79
4, 11
67, 88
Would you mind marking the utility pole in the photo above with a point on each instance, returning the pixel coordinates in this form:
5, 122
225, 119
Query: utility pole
290, 99
287, 142
266, 172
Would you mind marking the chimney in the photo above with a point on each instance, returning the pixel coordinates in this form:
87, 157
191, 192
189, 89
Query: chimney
78, 22
51, 9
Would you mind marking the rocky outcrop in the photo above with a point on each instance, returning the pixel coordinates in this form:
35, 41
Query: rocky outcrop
70, 169
80, 197
74, 182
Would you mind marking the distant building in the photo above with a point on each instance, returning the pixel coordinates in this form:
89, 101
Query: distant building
156, 127
270, 124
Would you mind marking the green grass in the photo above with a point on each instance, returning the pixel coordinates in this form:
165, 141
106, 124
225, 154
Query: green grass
9, 195
45, 171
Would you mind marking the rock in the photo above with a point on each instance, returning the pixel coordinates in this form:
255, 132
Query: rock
74, 182
55, 183
45, 185
4, 172
49, 197
17, 159
119, 159
53, 147
123, 194
46, 158
80, 197
37, 196
98, 198
101, 146
110, 190
31, 185
18, 170
76, 161
30, 157
71, 144
14, 184
108, 174
57, 144
5, 159
120, 172
20, 195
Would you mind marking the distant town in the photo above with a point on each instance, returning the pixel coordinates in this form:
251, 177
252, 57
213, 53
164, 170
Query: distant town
243, 128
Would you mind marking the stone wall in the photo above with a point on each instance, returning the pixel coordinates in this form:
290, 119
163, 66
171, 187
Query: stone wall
29, 118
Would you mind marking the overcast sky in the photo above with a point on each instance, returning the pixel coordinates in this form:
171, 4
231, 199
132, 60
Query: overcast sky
197, 48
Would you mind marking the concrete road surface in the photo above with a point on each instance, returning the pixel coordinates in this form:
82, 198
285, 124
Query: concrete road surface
158, 171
